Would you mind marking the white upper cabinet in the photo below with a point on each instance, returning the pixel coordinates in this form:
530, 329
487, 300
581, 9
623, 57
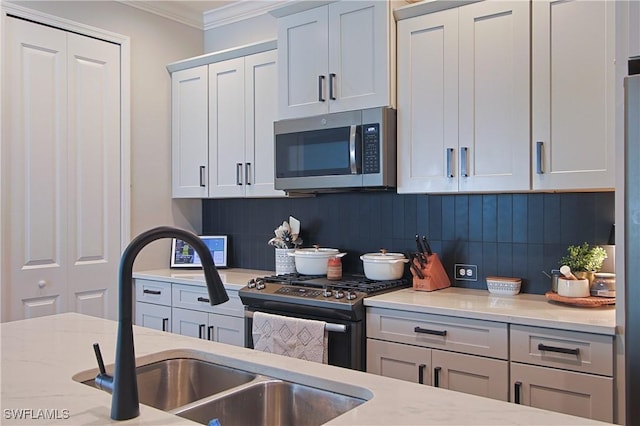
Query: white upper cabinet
573, 91
189, 133
222, 134
337, 57
634, 29
463, 99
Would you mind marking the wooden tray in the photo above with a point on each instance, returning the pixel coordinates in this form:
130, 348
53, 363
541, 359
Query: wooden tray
589, 302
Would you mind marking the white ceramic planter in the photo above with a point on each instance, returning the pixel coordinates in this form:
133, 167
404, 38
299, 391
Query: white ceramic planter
383, 266
285, 264
573, 288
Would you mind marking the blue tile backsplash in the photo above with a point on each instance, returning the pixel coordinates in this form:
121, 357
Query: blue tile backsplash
516, 235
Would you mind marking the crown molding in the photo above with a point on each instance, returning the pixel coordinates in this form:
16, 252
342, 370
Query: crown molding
239, 11
170, 11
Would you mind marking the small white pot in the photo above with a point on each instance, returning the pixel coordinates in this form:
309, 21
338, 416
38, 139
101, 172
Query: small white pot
573, 288
383, 266
313, 261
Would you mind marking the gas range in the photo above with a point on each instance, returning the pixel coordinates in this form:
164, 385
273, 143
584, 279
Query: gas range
316, 290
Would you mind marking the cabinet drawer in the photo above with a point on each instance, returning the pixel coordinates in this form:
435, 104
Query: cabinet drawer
570, 350
476, 337
197, 298
158, 292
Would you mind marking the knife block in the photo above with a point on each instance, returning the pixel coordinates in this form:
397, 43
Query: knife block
435, 277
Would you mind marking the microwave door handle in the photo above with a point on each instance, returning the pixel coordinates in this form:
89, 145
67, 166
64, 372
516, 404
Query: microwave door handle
352, 150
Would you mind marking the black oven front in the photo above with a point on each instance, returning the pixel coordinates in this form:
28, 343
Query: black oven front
346, 338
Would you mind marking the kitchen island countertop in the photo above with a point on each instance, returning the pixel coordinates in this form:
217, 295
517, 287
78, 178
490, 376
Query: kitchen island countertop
40, 356
523, 309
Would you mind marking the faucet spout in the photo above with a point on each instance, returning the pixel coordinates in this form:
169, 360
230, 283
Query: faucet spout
124, 401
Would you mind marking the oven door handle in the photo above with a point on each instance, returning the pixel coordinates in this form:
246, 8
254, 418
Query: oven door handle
328, 326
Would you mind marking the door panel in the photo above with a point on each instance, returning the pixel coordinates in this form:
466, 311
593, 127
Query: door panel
402, 362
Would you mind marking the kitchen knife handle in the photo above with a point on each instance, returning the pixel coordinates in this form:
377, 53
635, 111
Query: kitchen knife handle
449, 162
421, 369
427, 331
247, 173
239, 173
321, 88
332, 82
436, 377
203, 299
210, 332
201, 331
202, 178
517, 389
543, 347
463, 161
165, 324
539, 168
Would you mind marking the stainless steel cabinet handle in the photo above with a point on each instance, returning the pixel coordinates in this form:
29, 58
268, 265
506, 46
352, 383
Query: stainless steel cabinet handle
239, 173
247, 173
352, 150
539, 168
568, 351
421, 369
202, 177
201, 331
332, 82
463, 161
436, 377
321, 88
428, 331
165, 324
449, 162
517, 387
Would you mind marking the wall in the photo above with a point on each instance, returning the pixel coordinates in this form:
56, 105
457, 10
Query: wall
155, 42
252, 30
504, 234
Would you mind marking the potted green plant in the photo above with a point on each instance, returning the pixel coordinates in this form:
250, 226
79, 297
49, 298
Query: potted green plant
584, 260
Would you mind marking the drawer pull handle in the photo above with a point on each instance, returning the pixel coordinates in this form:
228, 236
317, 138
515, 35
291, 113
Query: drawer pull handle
201, 331
156, 292
427, 331
543, 347
436, 377
421, 369
210, 332
517, 387
203, 299
165, 324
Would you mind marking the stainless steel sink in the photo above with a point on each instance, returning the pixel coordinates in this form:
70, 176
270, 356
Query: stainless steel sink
270, 402
172, 383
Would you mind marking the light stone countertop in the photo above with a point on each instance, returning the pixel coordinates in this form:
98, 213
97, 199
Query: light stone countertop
523, 309
40, 356
233, 278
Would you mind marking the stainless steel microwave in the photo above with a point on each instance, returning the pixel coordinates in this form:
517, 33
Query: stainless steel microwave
339, 151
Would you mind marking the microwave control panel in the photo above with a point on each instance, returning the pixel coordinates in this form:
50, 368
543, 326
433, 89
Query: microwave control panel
371, 148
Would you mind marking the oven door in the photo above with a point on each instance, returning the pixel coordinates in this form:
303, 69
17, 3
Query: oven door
345, 338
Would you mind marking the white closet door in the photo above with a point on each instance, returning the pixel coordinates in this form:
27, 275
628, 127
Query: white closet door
35, 155
93, 68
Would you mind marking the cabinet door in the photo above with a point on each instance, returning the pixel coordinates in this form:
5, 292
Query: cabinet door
634, 29
261, 102
428, 103
359, 61
303, 57
573, 94
471, 374
189, 133
404, 362
226, 129
494, 101
189, 323
153, 316
579, 394
226, 329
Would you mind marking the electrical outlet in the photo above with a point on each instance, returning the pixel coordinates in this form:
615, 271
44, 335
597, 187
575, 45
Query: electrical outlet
466, 272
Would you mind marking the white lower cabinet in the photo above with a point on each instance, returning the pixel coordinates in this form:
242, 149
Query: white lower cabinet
185, 309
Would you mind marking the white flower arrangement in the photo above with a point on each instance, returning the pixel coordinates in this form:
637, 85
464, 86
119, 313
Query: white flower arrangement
287, 235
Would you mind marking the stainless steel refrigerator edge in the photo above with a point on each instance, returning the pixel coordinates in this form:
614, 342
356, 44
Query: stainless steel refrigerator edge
632, 247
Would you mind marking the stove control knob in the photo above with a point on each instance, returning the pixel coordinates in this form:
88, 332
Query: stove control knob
251, 283
327, 292
351, 295
260, 285
339, 294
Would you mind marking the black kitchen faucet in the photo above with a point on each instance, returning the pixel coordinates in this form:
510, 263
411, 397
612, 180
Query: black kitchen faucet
123, 385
